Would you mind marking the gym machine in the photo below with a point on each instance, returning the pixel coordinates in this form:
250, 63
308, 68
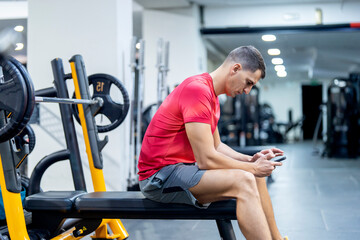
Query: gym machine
136, 113
239, 124
162, 65
342, 120
163, 68
355, 80
141, 118
246, 122
17, 84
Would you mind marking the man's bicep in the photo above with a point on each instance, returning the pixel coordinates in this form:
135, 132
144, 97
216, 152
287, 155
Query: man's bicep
200, 138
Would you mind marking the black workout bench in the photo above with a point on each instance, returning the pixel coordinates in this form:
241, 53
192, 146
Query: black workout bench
56, 206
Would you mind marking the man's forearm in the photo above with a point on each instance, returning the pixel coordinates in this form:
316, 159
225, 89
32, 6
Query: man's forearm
228, 151
217, 160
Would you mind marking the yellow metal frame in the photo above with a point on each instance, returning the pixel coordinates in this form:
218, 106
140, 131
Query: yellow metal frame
13, 210
67, 235
97, 175
13, 205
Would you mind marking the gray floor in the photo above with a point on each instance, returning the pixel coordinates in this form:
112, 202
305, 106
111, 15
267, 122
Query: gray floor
313, 198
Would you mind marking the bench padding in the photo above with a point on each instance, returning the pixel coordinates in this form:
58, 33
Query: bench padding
61, 201
133, 205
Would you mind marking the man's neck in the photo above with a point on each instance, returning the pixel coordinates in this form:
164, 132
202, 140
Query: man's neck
218, 77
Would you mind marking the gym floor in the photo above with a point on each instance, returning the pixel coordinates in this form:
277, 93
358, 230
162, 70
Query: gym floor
313, 198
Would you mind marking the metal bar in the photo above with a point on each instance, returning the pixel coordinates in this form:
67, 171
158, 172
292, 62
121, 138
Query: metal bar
42, 166
87, 120
46, 92
10, 185
225, 228
139, 104
65, 100
68, 125
283, 29
133, 65
91, 139
13, 208
164, 89
160, 66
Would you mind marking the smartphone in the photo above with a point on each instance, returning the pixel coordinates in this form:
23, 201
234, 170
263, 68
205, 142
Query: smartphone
278, 158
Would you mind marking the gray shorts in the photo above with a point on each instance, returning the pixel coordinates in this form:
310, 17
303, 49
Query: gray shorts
171, 184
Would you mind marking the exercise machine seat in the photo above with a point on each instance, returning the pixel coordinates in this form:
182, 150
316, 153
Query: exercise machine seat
133, 205
62, 201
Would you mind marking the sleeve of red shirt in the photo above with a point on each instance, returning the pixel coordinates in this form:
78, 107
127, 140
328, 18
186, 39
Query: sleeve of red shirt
195, 103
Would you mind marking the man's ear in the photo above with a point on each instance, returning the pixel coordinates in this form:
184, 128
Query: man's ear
236, 67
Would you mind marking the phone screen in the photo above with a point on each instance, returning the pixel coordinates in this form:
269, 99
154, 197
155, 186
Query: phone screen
278, 158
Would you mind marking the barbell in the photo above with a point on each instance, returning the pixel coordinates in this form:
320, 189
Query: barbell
17, 99
98, 101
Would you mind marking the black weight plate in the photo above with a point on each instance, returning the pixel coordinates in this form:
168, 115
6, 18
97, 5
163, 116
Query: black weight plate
114, 112
13, 100
30, 91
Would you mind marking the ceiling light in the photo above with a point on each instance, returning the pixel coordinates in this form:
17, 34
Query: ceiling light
19, 46
279, 68
277, 61
291, 16
268, 38
19, 28
281, 73
274, 51
138, 46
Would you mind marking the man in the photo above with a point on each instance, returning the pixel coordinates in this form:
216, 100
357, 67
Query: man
183, 160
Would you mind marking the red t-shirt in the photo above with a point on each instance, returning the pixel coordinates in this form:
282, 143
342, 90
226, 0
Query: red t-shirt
165, 141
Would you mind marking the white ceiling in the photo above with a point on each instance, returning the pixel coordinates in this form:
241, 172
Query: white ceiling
314, 55
158, 4
307, 54
214, 3
320, 55
10, 24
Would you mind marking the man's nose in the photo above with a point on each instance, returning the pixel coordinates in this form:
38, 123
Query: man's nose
247, 90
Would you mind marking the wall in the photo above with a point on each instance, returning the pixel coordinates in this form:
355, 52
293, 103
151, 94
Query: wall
101, 33
13, 9
273, 14
187, 54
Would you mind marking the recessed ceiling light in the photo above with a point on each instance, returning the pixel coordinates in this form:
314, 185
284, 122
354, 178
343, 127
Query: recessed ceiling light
291, 16
19, 28
268, 38
281, 73
274, 51
277, 61
279, 68
19, 46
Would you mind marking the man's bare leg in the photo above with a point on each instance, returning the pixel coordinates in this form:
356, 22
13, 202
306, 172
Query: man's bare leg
216, 185
267, 207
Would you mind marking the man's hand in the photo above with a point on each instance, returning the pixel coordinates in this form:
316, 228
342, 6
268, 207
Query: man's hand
273, 152
262, 166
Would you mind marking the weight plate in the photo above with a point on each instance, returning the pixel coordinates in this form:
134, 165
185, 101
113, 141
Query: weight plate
30, 91
115, 101
13, 100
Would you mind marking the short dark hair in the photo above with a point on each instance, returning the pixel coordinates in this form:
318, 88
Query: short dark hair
249, 57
